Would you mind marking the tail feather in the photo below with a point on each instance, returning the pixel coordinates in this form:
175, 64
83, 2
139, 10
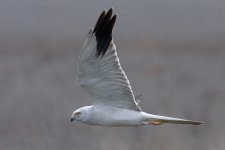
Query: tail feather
158, 120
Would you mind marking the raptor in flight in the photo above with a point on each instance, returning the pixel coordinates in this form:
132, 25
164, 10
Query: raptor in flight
100, 74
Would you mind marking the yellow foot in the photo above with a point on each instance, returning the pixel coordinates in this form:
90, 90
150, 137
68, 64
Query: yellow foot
156, 122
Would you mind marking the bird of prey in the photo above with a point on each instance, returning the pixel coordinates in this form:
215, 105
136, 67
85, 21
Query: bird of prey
100, 74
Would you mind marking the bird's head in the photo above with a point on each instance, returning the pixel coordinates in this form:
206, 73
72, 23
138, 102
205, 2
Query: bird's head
81, 114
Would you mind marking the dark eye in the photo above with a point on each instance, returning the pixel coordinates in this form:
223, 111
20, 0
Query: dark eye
77, 113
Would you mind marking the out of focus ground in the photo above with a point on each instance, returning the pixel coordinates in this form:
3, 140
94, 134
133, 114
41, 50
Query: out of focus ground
39, 92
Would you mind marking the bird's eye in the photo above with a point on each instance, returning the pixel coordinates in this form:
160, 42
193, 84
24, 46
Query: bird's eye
77, 114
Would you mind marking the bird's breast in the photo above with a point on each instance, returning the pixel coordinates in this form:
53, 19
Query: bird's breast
111, 116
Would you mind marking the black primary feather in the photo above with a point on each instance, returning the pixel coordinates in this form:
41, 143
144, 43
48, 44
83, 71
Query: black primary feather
103, 31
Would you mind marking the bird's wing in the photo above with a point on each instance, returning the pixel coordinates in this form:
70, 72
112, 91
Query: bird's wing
99, 70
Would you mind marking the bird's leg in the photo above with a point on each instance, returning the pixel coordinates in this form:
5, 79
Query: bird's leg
156, 122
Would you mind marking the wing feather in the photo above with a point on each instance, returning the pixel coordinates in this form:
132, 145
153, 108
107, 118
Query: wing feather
99, 70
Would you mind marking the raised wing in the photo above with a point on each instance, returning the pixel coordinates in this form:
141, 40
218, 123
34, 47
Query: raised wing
99, 70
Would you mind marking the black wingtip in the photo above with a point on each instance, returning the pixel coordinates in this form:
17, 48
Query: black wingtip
100, 19
103, 31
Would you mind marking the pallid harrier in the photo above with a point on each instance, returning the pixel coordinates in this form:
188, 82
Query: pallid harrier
100, 74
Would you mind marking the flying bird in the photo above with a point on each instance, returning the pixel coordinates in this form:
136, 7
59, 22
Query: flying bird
100, 74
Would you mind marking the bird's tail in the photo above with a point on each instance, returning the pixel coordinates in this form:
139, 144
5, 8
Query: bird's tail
158, 120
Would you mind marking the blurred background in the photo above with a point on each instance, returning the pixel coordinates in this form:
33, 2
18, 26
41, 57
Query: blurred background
173, 51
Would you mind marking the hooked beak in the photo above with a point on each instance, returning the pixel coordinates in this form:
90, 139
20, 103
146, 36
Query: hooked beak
72, 119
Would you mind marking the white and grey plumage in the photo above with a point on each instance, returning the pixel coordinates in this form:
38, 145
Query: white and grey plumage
100, 74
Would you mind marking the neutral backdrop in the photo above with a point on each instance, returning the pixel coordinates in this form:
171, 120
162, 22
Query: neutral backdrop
173, 52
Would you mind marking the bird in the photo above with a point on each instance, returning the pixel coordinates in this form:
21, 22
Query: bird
99, 72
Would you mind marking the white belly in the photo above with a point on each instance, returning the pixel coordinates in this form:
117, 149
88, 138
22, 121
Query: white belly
111, 116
